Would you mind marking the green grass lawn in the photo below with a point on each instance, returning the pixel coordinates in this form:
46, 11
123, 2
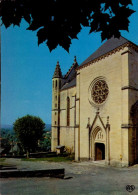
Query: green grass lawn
2, 159
2, 162
51, 159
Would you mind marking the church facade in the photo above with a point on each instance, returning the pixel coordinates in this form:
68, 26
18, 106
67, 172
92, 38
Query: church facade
95, 105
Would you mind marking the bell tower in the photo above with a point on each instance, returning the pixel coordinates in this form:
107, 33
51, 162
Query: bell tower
56, 85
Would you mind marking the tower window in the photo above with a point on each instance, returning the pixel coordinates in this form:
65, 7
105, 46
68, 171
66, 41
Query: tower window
68, 111
56, 84
56, 97
55, 122
55, 105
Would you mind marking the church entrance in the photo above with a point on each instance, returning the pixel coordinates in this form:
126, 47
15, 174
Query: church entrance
99, 151
99, 143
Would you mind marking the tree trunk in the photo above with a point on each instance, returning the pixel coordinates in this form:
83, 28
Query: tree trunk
27, 154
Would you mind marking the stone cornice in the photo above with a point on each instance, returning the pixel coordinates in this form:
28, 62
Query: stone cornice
129, 87
77, 99
127, 126
65, 126
63, 109
55, 109
128, 44
128, 51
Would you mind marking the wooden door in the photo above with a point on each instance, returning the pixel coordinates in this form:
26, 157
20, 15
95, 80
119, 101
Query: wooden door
99, 151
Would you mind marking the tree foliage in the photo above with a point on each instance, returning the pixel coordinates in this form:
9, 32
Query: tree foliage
45, 142
5, 143
29, 129
59, 21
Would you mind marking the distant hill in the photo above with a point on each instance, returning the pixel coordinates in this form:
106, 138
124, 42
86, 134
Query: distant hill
48, 127
10, 127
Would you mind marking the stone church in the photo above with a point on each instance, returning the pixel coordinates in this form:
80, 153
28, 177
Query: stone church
95, 105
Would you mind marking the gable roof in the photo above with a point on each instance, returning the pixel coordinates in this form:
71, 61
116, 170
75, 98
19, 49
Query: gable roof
108, 46
72, 83
72, 69
69, 80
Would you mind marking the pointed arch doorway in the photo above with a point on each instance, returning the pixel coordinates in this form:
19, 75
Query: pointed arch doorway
98, 144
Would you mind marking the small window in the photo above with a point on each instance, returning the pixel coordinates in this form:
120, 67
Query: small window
56, 84
55, 122
68, 111
55, 113
55, 105
56, 97
53, 84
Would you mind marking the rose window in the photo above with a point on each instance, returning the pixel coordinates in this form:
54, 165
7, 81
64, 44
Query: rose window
99, 91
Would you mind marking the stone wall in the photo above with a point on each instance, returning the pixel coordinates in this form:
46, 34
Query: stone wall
119, 72
114, 70
67, 133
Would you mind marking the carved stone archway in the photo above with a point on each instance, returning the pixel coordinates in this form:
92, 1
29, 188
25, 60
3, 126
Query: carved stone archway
98, 135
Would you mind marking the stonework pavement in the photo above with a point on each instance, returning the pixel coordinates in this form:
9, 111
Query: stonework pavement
80, 178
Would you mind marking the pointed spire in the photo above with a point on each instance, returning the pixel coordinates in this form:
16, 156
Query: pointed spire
75, 62
75, 59
74, 66
57, 73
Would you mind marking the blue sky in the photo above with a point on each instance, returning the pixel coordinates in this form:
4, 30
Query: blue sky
27, 69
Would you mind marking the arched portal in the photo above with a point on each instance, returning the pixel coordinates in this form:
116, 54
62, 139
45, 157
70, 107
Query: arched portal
98, 144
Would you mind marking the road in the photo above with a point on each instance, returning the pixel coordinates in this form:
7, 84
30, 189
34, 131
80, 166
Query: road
87, 178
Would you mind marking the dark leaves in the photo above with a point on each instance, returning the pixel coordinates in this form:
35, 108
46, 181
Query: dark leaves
57, 22
126, 2
100, 21
29, 129
27, 17
65, 43
42, 35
